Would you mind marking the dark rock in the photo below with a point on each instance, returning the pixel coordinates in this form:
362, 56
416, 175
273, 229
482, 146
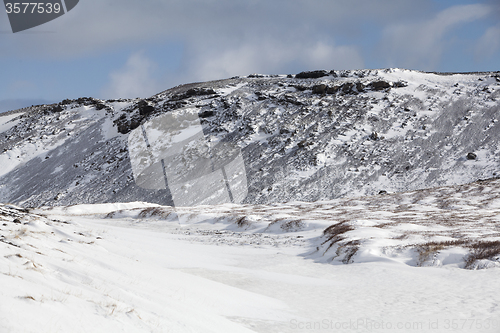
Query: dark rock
256, 76
17, 221
145, 108
199, 92
319, 89
332, 90
304, 143
360, 86
206, 114
83, 100
300, 88
100, 106
374, 136
292, 100
260, 96
192, 92
311, 74
347, 87
125, 125
471, 156
123, 128
134, 123
382, 192
399, 84
57, 108
380, 85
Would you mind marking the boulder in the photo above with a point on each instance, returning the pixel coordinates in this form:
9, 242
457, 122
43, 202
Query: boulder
319, 89
145, 108
206, 114
471, 156
347, 87
380, 85
57, 108
199, 92
311, 74
332, 90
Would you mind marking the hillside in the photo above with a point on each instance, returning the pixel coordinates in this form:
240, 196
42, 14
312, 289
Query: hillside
311, 136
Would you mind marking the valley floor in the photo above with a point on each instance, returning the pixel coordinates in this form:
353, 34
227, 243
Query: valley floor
139, 267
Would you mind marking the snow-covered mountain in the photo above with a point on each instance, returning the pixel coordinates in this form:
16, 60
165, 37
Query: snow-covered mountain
90, 240
311, 136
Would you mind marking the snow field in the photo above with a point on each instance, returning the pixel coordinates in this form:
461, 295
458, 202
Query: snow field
138, 267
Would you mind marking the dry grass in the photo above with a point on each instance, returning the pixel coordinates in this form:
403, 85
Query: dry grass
337, 229
242, 222
153, 211
293, 225
482, 250
22, 232
110, 215
27, 297
479, 250
401, 237
13, 255
349, 249
334, 233
428, 249
288, 225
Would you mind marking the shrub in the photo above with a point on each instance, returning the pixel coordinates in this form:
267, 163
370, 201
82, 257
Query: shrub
482, 250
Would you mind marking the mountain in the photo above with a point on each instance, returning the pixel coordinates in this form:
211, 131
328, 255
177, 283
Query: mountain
306, 137
98, 230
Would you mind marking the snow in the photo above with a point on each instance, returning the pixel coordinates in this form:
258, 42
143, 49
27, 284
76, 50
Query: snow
229, 89
13, 158
140, 267
6, 121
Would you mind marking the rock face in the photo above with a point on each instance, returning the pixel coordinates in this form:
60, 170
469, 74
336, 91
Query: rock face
317, 135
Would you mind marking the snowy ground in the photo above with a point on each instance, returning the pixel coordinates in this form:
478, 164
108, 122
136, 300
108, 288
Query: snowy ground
139, 267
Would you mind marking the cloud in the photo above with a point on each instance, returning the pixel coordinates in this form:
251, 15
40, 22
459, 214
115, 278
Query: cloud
489, 43
97, 26
421, 45
272, 56
135, 79
223, 38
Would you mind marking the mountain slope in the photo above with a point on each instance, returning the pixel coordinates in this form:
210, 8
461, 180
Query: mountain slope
313, 136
